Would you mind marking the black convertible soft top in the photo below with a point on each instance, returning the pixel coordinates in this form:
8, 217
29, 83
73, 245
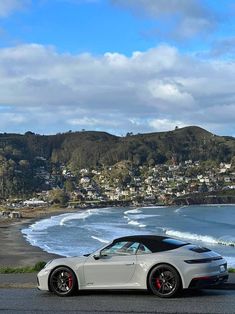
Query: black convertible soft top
153, 242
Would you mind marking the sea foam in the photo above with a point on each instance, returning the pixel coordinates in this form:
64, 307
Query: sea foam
203, 238
133, 211
82, 215
136, 223
191, 236
100, 240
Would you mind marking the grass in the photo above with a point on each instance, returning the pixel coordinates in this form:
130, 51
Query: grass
20, 270
231, 270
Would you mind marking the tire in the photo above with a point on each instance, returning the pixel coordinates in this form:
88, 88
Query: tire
164, 281
63, 282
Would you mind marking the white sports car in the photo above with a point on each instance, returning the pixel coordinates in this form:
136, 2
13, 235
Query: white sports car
161, 264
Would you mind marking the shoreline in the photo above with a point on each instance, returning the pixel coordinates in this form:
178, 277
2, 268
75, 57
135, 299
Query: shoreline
15, 250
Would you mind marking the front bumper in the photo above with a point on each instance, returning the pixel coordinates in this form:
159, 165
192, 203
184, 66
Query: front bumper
42, 279
202, 282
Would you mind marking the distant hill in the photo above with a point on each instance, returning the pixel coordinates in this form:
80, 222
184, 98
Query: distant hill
27, 160
91, 149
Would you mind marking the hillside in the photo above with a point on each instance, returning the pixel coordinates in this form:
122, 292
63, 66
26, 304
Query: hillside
89, 149
21, 156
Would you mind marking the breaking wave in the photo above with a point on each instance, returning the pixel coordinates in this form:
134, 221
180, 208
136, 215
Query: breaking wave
133, 211
76, 216
178, 210
136, 223
100, 240
226, 240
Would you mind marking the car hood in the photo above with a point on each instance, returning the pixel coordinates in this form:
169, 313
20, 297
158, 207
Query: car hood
67, 261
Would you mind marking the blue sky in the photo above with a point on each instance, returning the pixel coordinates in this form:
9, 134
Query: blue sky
117, 65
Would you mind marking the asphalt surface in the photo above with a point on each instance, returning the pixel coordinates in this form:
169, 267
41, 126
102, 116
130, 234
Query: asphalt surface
30, 280
25, 301
18, 294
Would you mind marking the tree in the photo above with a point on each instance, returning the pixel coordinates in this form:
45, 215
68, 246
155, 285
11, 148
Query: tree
151, 162
24, 163
68, 185
29, 133
233, 162
58, 196
203, 188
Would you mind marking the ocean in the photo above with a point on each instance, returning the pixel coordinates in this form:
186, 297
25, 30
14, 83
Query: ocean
84, 231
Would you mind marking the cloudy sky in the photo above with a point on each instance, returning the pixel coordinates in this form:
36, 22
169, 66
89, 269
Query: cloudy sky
117, 65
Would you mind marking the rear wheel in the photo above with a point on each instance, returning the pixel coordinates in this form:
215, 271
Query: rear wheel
164, 281
63, 282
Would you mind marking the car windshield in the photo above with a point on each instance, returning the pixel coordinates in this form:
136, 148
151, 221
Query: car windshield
121, 248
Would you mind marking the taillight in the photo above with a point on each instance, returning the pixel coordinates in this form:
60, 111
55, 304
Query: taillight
203, 260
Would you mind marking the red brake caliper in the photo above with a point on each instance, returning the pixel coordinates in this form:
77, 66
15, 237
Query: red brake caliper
70, 281
158, 283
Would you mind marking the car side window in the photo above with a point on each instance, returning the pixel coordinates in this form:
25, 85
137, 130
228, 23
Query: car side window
121, 248
143, 249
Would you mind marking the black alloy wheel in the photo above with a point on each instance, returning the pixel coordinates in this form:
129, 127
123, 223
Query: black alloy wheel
63, 281
164, 281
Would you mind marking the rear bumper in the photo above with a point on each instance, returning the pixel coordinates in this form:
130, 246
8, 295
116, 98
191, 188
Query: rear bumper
202, 282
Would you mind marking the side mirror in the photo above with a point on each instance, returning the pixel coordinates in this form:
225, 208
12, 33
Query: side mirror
97, 256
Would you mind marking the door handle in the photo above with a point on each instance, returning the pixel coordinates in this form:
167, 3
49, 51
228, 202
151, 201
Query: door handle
130, 264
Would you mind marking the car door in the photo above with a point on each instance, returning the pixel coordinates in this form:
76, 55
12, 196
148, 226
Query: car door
115, 266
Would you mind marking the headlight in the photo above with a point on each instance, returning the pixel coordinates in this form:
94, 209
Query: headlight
223, 268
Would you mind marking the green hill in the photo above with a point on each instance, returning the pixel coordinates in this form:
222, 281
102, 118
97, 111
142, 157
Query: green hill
22, 155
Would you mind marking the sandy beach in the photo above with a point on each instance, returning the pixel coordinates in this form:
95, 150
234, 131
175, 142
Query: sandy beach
14, 249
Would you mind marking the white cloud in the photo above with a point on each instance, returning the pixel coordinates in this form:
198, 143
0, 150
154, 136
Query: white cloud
225, 46
159, 7
10, 118
171, 93
188, 27
161, 125
9, 6
150, 90
92, 122
184, 18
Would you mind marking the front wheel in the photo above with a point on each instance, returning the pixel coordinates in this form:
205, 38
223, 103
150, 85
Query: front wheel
63, 282
164, 281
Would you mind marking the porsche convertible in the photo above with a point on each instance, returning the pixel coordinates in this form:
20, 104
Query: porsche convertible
162, 265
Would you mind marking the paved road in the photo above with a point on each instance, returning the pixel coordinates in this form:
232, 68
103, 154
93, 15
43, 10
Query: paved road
25, 301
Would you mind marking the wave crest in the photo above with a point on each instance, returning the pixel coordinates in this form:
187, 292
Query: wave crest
76, 216
100, 240
136, 223
226, 240
133, 211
